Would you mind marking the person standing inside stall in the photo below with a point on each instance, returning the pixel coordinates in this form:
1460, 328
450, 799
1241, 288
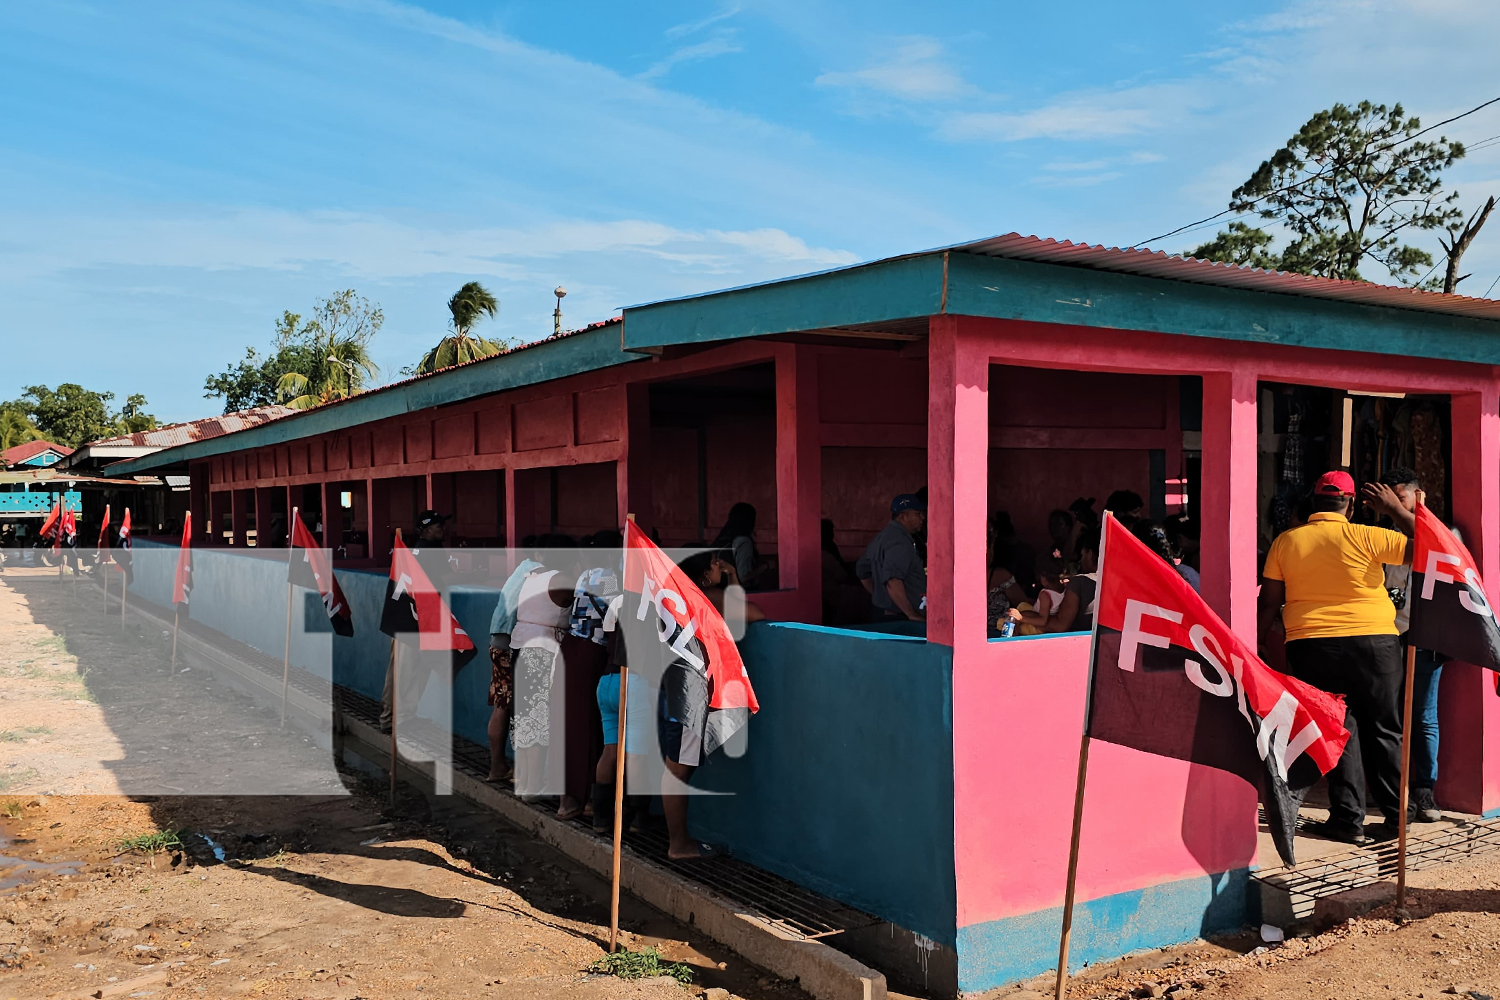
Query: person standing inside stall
891, 570
1429, 665
1327, 578
414, 676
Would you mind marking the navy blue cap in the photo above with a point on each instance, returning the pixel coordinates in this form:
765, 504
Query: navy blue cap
907, 501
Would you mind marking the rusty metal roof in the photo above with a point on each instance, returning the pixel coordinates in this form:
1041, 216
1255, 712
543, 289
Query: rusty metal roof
1175, 267
172, 435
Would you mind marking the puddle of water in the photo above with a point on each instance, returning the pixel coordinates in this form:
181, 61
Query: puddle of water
18, 871
218, 851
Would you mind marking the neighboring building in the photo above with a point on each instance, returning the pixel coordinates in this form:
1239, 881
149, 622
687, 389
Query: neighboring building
35, 455
927, 779
96, 454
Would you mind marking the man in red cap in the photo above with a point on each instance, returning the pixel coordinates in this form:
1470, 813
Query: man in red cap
1327, 578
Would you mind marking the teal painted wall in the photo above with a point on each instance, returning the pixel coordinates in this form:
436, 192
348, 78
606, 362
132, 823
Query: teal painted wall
1006, 951
847, 783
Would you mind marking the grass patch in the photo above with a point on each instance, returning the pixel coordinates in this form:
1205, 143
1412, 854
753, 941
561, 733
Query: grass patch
14, 778
17, 735
151, 843
642, 964
12, 810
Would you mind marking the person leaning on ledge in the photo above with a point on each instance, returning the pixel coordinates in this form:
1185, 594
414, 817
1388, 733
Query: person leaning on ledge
891, 570
1327, 579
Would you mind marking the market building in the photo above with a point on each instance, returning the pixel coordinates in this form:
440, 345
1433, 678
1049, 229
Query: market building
927, 779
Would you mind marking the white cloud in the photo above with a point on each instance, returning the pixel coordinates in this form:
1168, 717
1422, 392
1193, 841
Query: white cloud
366, 246
723, 45
1086, 115
692, 27
917, 70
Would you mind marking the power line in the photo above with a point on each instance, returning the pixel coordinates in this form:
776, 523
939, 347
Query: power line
1289, 187
1492, 286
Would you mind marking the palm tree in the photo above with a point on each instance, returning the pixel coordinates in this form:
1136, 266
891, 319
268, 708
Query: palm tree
337, 341
15, 426
469, 304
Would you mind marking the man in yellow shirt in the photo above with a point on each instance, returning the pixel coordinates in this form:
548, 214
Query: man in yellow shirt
1327, 578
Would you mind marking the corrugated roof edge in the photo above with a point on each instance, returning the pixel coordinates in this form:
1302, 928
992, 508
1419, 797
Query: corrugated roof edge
169, 456
1171, 267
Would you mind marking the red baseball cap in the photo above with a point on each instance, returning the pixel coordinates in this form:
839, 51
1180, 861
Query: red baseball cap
1334, 484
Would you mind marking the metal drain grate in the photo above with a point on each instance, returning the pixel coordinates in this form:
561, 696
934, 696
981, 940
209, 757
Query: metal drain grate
1360, 866
796, 910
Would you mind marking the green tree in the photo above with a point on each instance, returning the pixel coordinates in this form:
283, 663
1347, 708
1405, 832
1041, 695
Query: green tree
133, 418
1354, 184
69, 414
337, 339
469, 305
252, 381
15, 425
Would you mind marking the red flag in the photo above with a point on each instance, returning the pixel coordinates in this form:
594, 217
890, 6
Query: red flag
123, 558
312, 570
1450, 613
52, 525
182, 580
101, 551
1170, 678
413, 604
683, 615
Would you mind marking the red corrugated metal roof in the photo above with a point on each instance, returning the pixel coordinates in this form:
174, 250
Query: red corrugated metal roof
31, 449
1158, 264
172, 435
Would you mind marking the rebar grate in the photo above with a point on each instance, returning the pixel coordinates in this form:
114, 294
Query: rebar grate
1361, 866
796, 910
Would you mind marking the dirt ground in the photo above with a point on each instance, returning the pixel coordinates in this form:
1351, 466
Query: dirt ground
334, 894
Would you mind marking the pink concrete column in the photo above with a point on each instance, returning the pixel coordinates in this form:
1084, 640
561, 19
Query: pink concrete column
511, 541
237, 517
333, 516
958, 374
1468, 711
633, 467
799, 479
1229, 498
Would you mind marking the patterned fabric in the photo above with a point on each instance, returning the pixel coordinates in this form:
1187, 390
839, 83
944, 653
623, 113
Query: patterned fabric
502, 678
533, 696
595, 589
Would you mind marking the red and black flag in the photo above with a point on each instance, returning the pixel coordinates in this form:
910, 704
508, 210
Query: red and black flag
51, 530
182, 579
310, 567
67, 534
413, 604
122, 556
1170, 678
1450, 613
101, 549
688, 626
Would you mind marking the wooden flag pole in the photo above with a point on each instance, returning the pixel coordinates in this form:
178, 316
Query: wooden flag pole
619, 831
286, 649
176, 615
395, 689
104, 572
1411, 675
1067, 919
1083, 769
123, 589
395, 694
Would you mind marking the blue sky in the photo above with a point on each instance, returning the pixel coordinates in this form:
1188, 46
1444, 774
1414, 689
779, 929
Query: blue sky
173, 176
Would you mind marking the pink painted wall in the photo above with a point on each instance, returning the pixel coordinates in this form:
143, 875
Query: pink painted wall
1147, 820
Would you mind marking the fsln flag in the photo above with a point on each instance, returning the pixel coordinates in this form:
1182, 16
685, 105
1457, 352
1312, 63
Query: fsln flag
51, 530
311, 567
413, 604
101, 550
1170, 678
68, 534
123, 557
683, 614
1450, 613
182, 579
